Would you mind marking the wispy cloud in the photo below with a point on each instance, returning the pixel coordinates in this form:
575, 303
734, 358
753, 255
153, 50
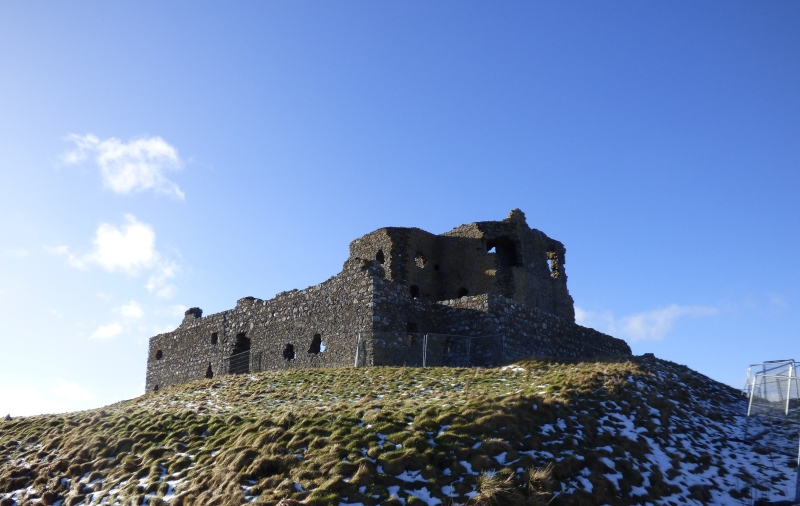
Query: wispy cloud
127, 316
139, 164
158, 283
17, 252
132, 310
645, 326
129, 248
107, 331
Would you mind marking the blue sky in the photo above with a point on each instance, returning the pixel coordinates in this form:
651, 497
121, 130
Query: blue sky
157, 156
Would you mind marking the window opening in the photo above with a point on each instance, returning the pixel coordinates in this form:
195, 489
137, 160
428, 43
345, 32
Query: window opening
242, 344
155, 388
436, 267
209, 372
239, 361
414, 290
316, 344
379, 256
552, 261
506, 250
159, 354
288, 352
462, 292
410, 338
214, 338
420, 260
492, 250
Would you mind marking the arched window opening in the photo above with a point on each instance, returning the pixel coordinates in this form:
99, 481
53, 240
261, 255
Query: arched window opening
379, 256
316, 345
214, 338
420, 260
239, 361
159, 354
462, 292
288, 352
209, 372
414, 291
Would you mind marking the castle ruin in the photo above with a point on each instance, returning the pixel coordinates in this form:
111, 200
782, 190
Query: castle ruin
479, 295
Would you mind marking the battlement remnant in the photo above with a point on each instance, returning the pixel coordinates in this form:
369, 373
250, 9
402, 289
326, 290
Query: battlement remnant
481, 294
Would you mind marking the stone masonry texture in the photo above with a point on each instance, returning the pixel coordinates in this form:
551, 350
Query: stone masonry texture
479, 295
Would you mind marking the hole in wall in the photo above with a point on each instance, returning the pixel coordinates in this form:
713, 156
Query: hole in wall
214, 338
553, 263
242, 344
448, 345
506, 250
155, 388
414, 291
209, 372
420, 260
288, 352
379, 256
462, 292
492, 250
316, 344
159, 354
436, 267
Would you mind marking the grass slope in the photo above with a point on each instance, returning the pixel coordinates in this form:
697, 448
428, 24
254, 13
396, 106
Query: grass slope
535, 432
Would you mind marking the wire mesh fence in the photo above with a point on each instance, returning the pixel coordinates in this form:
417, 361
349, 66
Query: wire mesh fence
772, 388
773, 396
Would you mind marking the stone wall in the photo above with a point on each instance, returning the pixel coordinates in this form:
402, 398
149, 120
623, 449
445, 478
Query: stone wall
335, 310
398, 301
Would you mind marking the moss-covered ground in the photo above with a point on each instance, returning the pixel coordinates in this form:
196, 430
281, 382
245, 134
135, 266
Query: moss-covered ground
638, 431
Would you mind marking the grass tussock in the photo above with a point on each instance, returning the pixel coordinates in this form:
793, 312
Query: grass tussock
530, 434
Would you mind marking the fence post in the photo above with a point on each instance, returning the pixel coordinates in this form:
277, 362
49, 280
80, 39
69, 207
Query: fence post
789, 390
358, 348
424, 349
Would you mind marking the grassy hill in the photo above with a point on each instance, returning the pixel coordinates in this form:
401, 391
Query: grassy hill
632, 431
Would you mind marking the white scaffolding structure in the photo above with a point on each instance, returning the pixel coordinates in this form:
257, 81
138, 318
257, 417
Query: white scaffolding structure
773, 391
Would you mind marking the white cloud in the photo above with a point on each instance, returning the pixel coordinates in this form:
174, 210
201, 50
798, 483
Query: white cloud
158, 283
137, 165
107, 331
57, 397
645, 326
129, 248
132, 310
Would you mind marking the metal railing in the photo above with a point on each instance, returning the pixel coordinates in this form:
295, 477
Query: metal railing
425, 349
245, 362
